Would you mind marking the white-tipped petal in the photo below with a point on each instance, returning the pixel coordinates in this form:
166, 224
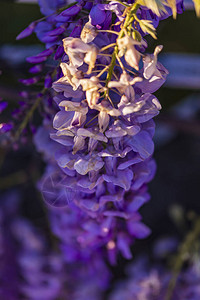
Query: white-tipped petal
90, 58
95, 134
79, 143
103, 120
150, 63
88, 32
74, 106
126, 47
85, 165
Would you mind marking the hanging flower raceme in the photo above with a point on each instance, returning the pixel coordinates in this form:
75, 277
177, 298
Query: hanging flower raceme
104, 133
100, 153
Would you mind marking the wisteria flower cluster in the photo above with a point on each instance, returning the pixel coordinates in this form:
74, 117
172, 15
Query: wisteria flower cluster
101, 158
104, 132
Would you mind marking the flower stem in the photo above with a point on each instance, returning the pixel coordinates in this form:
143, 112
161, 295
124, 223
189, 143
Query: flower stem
102, 71
108, 46
59, 10
186, 247
28, 116
131, 11
109, 31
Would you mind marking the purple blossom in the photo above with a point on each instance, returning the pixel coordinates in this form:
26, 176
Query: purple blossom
30, 81
3, 105
151, 282
48, 7
59, 52
48, 81
24, 257
40, 57
71, 11
100, 153
97, 14
26, 32
6, 127
35, 69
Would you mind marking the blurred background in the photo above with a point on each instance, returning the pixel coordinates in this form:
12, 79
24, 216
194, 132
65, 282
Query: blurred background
175, 189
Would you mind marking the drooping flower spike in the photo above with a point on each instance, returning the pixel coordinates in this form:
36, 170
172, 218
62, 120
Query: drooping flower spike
104, 134
101, 140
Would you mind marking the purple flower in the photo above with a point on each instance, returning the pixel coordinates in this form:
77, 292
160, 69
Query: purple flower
71, 11
105, 173
48, 7
35, 69
147, 281
6, 127
97, 15
23, 254
3, 105
40, 57
30, 81
26, 32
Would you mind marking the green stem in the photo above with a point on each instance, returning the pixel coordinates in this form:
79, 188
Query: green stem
186, 247
112, 65
32, 110
107, 47
28, 116
108, 31
130, 17
66, 7
12, 180
57, 11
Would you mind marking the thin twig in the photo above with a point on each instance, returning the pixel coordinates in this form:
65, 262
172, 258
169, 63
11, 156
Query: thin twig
115, 75
120, 63
108, 46
186, 247
105, 54
91, 120
110, 100
102, 71
108, 31
28, 116
14, 179
115, 91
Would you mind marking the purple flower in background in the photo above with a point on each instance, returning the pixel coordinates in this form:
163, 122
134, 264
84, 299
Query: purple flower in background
26, 32
5, 127
24, 256
48, 7
35, 270
3, 105
97, 14
152, 282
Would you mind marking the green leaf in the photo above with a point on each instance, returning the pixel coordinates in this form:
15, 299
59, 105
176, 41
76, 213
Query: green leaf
147, 27
157, 6
136, 36
197, 7
172, 5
